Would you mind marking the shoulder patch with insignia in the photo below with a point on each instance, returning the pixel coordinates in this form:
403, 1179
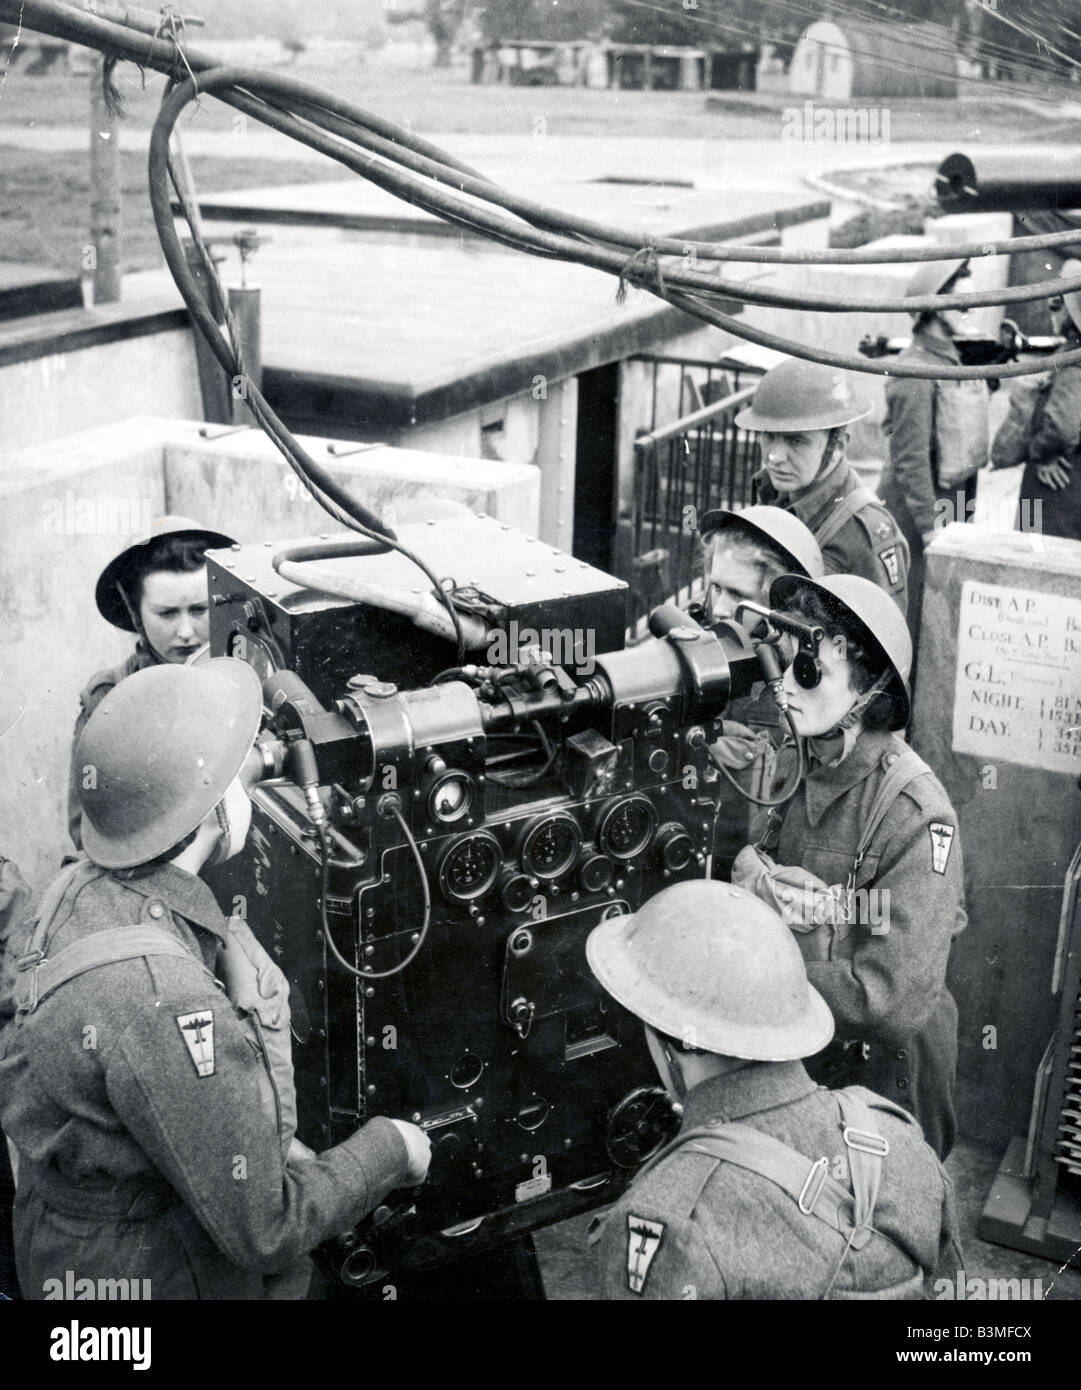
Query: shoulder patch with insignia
643, 1241
941, 844
197, 1030
891, 564
884, 530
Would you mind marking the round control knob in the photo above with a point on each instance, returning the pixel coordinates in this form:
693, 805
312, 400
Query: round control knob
675, 848
658, 760
516, 892
596, 874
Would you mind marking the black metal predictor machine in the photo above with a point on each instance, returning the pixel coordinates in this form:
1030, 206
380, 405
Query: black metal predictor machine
439, 845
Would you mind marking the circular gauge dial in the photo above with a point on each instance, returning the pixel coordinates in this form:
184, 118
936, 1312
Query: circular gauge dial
451, 799
470, 867
626, 827
550, 846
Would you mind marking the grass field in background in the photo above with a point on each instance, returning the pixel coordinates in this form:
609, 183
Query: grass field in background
435, 101
44, 198
45, 202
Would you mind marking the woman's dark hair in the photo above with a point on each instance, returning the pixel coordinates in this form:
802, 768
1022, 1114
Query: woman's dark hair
866, 661
178, 554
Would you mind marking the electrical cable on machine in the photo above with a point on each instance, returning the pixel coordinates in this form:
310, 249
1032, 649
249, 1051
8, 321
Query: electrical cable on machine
368, 973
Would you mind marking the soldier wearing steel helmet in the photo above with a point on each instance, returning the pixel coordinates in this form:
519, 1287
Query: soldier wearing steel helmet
743, 553
1052, 458
157, 589
938, 431
140, 1098
802, 411
865, 859
773, 1188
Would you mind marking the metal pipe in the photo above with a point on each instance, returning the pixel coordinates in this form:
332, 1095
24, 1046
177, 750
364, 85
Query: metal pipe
1009, 182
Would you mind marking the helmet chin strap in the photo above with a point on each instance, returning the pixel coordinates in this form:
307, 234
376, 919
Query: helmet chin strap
225, 834
667, 1063
830, 459
850, 727
137, 624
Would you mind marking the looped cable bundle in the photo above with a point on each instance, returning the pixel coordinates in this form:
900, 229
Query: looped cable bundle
684, 273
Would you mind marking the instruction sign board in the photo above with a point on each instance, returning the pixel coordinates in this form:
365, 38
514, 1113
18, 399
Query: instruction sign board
1018, 682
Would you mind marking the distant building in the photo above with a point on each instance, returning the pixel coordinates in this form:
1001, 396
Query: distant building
839, 62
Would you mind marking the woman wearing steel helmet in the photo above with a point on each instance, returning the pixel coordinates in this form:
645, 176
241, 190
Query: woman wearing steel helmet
742, 554
802, 412
865, 860
153, 1126
157, 589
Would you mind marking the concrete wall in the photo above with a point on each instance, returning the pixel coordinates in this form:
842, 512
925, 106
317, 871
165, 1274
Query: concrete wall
56, 393
65, 510
67, 507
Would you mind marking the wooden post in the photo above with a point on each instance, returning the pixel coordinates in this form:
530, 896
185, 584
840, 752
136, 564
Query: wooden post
104, 190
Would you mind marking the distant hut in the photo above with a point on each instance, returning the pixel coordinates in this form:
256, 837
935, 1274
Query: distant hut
838, 62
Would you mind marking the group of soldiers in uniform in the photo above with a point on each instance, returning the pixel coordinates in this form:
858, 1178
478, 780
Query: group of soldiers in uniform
795, 1004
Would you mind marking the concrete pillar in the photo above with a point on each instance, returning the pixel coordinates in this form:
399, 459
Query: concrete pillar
997, 711
555, 457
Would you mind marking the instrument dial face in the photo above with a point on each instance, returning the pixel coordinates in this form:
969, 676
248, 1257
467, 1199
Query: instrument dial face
550, 846
470, 867
626, 827
451, 799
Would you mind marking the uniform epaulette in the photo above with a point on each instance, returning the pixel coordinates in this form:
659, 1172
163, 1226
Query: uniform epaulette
110, 676
676, 1185
877, 520
106, 678
876, 1102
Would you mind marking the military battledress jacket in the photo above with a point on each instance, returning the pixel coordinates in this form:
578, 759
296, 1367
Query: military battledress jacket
90, 697
884, 974
931, 424
869, 543
696, 1227
1056, 437
147, 1122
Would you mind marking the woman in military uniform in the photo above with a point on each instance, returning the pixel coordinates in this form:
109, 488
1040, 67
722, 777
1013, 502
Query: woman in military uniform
865, 860
802, 412
150, 1121
743, 553
156, 588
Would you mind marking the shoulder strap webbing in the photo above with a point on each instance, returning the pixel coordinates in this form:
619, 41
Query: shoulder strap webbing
108, 947
37, 976
905, 769
807, 1181
841, 515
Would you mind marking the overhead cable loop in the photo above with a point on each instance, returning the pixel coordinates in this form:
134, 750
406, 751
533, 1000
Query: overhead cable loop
452, 207
320, 483
59, 20
448, 205
410, 185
